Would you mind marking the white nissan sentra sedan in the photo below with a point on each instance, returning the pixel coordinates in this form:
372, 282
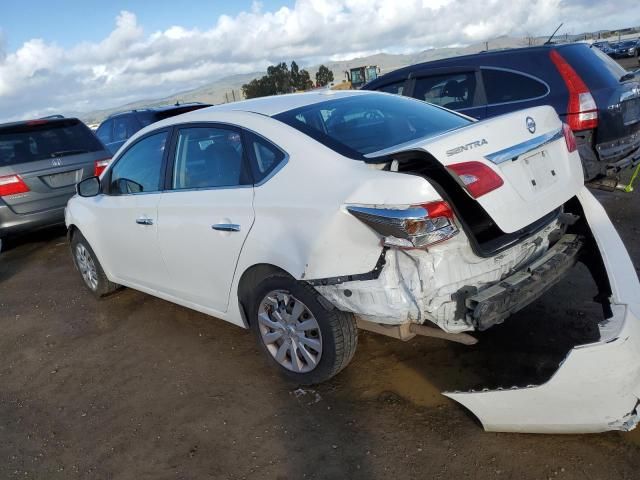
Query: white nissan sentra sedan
306, 217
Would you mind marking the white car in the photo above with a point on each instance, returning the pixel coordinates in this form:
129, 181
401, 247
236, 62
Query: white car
305, 217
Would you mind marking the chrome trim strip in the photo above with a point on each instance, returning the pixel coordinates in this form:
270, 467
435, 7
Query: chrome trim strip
411, 213
523, 148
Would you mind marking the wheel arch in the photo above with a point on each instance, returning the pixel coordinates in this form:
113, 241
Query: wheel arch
251, 277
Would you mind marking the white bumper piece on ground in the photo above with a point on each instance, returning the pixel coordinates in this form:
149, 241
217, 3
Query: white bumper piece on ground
597, 386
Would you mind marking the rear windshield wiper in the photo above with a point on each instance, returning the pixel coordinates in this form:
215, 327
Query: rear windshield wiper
627, 76
67, 152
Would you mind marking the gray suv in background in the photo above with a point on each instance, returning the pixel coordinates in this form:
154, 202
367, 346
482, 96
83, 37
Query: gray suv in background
40, 163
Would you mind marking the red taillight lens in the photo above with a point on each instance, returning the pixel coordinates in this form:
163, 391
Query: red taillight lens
418, 226
477, 178
569, 138
100, 165
582, 111
12, 185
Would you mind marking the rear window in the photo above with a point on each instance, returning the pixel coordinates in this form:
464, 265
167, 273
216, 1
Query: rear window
503, 86
357, 125
39, 140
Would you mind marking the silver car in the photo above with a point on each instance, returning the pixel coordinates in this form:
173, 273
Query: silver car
40, 163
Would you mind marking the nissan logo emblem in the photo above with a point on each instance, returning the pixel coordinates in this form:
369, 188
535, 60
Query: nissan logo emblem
531, 125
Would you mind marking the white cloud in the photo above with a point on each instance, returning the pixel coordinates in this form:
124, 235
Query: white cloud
129, 64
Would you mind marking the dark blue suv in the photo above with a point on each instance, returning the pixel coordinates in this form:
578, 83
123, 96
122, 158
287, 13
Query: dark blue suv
119, 127
596, 97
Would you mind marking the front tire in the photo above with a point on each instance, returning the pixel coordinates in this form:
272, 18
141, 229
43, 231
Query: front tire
91, 271
307, 342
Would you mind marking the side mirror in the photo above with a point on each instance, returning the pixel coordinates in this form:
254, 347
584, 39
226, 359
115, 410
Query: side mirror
89, 187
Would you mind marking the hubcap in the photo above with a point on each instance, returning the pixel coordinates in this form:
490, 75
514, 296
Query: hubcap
86, 266
290, 331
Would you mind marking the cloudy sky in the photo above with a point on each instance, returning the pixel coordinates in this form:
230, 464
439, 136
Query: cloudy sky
79, 55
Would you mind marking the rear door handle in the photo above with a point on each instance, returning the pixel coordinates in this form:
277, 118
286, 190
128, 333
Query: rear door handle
226, 227
144, 221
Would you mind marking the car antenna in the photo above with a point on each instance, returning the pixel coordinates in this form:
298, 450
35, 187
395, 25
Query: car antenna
548, 42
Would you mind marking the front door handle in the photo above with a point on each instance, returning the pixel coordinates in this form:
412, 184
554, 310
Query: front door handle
226, 227
144, 221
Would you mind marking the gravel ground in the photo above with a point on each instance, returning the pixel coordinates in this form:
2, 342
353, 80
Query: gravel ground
133, 387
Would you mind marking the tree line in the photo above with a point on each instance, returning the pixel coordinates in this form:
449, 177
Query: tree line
282, 79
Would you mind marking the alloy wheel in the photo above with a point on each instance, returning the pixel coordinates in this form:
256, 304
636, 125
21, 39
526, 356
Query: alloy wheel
290, 331
87, 266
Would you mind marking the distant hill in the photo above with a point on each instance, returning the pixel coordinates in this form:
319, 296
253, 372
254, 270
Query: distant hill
220, 91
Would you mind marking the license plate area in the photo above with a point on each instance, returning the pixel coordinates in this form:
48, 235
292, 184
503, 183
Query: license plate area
540, 170
64, 179
631, 111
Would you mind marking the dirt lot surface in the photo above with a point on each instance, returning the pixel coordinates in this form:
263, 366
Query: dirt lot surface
132, 387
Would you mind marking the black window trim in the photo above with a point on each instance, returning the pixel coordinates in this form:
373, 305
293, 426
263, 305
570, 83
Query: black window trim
106, 180
517, 72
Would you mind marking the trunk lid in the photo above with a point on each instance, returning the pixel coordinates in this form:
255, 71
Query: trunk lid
526, 149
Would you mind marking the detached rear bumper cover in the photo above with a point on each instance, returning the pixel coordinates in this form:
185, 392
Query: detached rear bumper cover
597, 387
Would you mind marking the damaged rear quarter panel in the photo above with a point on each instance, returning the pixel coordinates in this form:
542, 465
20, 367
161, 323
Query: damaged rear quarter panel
421, 285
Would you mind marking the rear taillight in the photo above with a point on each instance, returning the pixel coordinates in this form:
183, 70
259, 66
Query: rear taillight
569, 138
477, 178
100, 165
582, 111
12, 185
418, 226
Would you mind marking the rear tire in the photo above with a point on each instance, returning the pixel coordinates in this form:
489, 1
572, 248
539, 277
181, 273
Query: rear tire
91, 271
306, 341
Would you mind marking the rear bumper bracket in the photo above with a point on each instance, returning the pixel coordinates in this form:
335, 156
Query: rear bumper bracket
494, 304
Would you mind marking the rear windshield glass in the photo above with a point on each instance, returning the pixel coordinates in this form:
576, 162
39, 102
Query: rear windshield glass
39, 140
357, 125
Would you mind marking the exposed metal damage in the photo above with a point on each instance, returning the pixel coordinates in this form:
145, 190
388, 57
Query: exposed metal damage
595, 388
435, 285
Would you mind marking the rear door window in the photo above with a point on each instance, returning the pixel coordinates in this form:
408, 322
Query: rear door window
395, 88
124, 127
453, 91
503, 86
209, 157
42, 139
105, 132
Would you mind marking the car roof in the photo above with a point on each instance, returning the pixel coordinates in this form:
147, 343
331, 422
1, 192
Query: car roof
473, 59
275, 104
160, 108
38, 121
